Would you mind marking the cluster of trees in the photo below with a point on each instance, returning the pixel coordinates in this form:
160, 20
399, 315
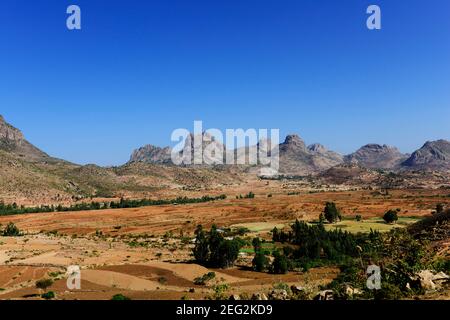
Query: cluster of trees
313, 242
213, 250
261, 263
11, 209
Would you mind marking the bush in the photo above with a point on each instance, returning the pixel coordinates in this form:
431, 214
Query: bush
390, 216
203, 280
11, 230
358, 218
44, 283
49, 295
120, 297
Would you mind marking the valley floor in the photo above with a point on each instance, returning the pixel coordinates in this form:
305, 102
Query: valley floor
145, 253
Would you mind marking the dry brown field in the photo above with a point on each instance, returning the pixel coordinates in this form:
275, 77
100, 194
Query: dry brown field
104, 243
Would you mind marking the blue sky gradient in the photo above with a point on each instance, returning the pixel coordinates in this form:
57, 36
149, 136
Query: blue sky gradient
140, 69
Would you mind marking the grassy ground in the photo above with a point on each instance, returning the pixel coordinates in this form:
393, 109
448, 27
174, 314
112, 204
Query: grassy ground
365, 226
348, 224
260, 226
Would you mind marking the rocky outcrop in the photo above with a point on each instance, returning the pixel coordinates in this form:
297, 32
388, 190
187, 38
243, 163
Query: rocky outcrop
375, 156
434, 155
152, 154
12, 140
297, 158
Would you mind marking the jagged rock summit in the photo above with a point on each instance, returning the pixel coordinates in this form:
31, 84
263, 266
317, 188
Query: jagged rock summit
434, 155
376, 156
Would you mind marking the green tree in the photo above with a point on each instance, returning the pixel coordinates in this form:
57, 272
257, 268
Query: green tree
201, 250
440, 208
228, 253
280, 264
331, 213
260, 262
391, 216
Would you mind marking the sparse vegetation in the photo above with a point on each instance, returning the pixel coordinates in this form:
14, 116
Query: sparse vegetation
203, 280
12, 209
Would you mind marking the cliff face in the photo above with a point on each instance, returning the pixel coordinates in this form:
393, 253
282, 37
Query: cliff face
12, 140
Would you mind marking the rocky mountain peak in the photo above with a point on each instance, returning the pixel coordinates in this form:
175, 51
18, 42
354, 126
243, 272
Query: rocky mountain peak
433, 155
293, 142
317, 148
376, 156
12, 140
151, 154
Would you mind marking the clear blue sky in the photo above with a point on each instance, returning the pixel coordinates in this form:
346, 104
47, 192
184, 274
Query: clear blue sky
139, 69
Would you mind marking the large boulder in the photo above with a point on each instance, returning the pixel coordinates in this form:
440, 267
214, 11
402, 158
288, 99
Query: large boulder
279, 295
429, 281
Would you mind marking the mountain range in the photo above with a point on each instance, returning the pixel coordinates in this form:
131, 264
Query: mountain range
29, 175
298, 158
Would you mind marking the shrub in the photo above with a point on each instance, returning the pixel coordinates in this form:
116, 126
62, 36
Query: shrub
203, 280
120, 297
358, 218
391, 216
44, 283
49, 295
11, 230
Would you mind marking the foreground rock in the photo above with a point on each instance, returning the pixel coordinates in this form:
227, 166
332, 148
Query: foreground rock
429, 281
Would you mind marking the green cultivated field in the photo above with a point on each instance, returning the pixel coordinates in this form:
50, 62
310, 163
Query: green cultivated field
364, 226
